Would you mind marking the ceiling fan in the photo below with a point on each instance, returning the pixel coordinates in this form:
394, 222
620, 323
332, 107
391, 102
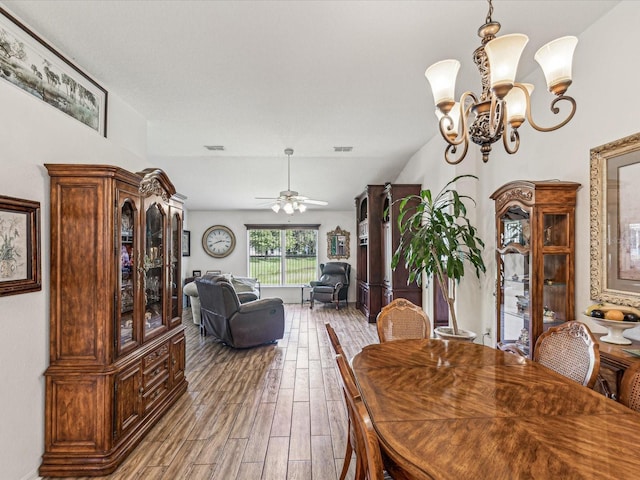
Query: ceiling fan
289, 200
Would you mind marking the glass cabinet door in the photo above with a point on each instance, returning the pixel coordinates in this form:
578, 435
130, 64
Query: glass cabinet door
515, 270
175, 255
128, 334
154, 276
556, 269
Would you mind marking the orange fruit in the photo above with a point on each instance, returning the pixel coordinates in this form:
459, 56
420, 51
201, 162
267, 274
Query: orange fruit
614, 315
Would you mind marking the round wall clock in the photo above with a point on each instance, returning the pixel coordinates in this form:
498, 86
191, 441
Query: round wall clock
218, 241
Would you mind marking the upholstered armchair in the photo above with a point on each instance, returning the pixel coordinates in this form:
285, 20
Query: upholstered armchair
247, 289
333, 285
239, 325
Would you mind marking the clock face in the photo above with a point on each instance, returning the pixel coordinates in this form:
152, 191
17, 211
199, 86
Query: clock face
218, 241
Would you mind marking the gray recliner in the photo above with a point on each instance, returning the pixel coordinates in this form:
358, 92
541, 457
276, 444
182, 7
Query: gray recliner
235, 324
333, 285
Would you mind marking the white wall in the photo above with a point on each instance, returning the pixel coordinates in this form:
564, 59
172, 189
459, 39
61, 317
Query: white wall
197, 223
605, 78
33, 133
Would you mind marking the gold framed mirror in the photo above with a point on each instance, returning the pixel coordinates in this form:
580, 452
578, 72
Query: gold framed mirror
338, 244
615, 222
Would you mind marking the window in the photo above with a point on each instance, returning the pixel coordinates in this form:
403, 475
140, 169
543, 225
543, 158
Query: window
283, 254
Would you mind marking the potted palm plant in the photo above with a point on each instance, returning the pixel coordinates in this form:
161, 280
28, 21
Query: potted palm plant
437, 239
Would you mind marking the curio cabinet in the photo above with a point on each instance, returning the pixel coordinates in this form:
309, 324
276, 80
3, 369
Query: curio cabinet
535, 223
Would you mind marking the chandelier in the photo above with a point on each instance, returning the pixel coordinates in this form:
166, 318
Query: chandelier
503, 104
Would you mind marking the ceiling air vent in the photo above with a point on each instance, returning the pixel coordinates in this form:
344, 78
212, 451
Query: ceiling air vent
215, 148
342, 149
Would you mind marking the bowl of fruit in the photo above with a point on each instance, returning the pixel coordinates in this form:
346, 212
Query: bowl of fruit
616, 319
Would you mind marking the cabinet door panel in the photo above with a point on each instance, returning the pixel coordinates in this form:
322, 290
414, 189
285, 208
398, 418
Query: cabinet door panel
75, 407
154, 268
127, 308
178, 363
175, 269
128, 399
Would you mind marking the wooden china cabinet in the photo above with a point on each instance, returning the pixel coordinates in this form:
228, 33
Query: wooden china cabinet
377, 213
369, 207
535, 251
395, 282
117, 344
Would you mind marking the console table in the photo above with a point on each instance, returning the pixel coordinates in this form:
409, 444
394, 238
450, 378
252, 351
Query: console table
614, 361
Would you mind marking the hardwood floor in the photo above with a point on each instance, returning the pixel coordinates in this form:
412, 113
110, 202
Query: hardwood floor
273, 412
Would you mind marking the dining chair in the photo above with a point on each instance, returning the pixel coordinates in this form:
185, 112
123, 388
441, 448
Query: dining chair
369, 464
333, 338
630, 387
570, 350
401, 319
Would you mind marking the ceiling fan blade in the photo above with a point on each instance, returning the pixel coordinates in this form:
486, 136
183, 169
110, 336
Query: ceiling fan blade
315, 202
266, 198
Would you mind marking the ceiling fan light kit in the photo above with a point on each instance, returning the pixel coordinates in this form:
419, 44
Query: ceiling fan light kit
289, 201
504, 104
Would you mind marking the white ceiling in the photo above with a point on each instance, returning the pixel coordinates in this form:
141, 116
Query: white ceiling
260, 76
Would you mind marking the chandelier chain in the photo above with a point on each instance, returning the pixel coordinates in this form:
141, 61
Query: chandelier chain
490, 12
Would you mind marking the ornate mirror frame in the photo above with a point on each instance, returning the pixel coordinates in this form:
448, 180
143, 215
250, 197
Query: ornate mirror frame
615, 222
338, 244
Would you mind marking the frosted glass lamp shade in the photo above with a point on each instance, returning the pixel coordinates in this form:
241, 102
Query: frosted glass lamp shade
504, 54
276, 207
442, 77
517, 105
302, 207
454, 115
556, 58
288, 208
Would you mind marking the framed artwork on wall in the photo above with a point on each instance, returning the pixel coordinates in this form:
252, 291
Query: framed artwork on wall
338, 244
19, 246
186, 243
615, 222
32, 65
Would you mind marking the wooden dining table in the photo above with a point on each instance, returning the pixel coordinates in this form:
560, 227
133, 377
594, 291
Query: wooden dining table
459, 410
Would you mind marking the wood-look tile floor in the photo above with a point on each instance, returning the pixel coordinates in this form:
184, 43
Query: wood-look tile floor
273, 412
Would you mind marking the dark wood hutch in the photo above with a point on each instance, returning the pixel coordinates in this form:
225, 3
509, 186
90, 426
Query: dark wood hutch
378, 285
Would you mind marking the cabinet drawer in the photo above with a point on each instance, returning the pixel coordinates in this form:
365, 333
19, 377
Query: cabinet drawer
155, 356
156, 372
155, 394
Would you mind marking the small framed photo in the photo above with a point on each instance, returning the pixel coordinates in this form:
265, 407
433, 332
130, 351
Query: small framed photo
186, 243
19, 246
197, 273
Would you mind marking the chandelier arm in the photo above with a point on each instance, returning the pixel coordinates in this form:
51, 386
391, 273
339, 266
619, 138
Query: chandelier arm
446, 126
554, 109
467, 100
452, 149
462, 133
514, 137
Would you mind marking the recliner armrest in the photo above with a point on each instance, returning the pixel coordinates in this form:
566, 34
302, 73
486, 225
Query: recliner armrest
262, 304
316, 283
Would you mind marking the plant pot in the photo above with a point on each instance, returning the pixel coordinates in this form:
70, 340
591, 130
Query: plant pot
446, 333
